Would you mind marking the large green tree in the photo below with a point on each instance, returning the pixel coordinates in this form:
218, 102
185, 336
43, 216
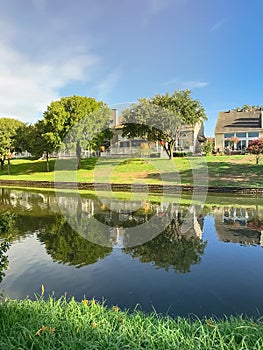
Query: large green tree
161, 118
77, 121
8, 131
35, 140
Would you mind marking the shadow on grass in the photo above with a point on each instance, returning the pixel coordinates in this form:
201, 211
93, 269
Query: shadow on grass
30, 166
219, 174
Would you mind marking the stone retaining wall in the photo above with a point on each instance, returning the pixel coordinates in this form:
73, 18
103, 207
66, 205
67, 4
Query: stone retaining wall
151, 188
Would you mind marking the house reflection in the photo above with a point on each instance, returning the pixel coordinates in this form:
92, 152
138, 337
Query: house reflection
239, 225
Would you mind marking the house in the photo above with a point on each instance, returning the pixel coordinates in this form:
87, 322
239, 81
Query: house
190, 140
239, 225
235, 128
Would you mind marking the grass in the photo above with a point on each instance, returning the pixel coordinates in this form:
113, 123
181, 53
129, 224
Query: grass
222, 171
61, 324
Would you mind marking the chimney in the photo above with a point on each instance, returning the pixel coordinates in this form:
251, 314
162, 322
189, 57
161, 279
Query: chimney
115, 117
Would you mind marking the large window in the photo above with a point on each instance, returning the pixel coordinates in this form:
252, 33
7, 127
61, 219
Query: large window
243, 139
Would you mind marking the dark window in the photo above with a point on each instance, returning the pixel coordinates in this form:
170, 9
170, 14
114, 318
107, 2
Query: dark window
125, 144
241, 134
136, 143
226, 136
253, 134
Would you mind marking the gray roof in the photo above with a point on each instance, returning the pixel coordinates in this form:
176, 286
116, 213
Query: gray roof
232, 121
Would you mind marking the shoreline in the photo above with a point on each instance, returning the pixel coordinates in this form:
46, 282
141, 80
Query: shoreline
150, 188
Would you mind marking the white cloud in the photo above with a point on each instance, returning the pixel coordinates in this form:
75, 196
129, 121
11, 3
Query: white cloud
193, 84
217, 25
104, 88
28, 85
170, 82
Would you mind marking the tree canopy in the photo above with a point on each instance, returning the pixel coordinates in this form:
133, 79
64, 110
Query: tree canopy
247, 107
8, 131
161, 118
81, 120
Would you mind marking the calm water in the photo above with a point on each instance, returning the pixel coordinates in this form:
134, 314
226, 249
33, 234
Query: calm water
212, 268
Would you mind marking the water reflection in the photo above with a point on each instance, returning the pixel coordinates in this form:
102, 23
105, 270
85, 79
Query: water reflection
66, 246
38, 213
172, 249
239, 225
184, 271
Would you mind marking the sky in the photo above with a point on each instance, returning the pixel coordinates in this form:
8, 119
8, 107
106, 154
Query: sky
120, 50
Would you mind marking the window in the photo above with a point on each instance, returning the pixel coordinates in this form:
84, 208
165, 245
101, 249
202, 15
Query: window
226, 136
241, 135
253, 134
227, 144
125, 144
136, 143
241, 145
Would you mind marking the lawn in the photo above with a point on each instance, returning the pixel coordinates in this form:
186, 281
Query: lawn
221, 171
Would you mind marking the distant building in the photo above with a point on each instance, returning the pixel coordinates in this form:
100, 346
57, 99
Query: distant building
235, 128
190, 140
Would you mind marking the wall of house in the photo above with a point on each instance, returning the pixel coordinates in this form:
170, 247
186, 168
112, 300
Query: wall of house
219, 142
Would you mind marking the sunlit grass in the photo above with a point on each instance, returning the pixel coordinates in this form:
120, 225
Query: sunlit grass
222, 171
70, 325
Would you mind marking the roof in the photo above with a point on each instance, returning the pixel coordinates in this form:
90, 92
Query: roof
232, 121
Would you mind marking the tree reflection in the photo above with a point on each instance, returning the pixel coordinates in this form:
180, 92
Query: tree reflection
7, 222
66, 246
171, 249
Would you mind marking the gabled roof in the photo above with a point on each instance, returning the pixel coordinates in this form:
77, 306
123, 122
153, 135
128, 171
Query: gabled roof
232, 121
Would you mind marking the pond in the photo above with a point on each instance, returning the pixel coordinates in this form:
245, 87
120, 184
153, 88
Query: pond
211, 267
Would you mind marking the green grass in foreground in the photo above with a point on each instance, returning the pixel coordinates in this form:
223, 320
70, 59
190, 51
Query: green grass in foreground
61, 324
222, 171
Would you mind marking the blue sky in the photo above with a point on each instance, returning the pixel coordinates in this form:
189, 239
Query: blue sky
120, 50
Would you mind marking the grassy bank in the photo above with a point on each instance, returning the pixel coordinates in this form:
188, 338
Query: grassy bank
222, 171
83, 325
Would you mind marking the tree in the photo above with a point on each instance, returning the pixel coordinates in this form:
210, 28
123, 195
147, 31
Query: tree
8, 130
35, 139
247, 107
162, 117
81, 120
256, 147
208, 146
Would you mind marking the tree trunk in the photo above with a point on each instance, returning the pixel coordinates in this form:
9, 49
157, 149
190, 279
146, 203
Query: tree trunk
166, 150
171, 151
78, 155
8, 166
47, 163
2, 163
